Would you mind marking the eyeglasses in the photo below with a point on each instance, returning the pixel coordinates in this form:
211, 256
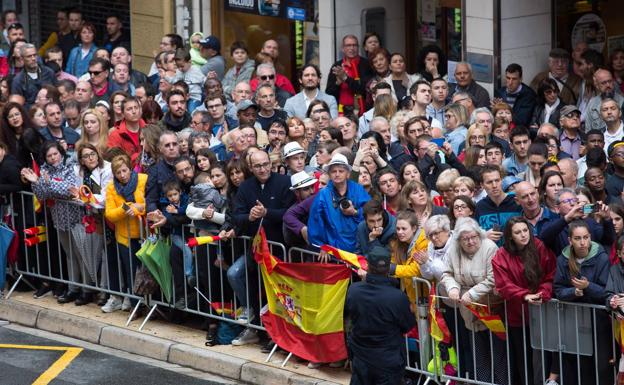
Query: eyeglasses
478, 137
95, 73
435, 234
460, 207
90, 155
261, 166
473, 238
267, 77
570, 201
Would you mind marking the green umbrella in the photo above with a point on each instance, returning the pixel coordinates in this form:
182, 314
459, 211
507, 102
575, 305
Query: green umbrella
143, 256
158, 255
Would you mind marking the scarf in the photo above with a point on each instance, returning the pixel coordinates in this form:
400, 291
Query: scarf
346, 96
127, 191
548, 110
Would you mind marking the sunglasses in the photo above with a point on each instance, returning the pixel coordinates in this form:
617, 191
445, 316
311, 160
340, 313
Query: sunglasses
95, 73
267, 77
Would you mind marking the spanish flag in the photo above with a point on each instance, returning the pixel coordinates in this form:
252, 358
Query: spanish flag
35, 240
225, 308
197, 241
618, 330
35, 168
437, 327
305, 302
491, 321
357, 261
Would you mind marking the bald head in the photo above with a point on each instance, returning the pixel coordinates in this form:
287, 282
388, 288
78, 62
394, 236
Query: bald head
527, 197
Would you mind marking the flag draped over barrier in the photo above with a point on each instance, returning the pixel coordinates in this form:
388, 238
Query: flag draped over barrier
357, 261
437, 327
305, 304
491, 321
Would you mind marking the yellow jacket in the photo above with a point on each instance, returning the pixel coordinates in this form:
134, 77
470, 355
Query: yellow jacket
410, 268
125, 226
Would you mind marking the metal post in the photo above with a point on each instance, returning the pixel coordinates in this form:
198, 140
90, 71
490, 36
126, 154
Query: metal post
136, 308
148, 317
271, 353
14, 286
286, 360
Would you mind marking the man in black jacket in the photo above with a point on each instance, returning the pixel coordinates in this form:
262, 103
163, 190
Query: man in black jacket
380, 314
29, 81
262, 199
348, 77
518, 95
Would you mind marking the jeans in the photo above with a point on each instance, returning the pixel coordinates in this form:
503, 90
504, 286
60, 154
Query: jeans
238, 278
178, 240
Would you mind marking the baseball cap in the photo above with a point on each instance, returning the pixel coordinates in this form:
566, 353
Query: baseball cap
509, 181
378, 257
292, 148
301, 180
211, 42
569, 108
245, 104
338, 160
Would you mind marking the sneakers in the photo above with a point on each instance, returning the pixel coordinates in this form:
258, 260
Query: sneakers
126, 305
114, 303
246, 315
314, 365
247, 336
551, 382
43, 291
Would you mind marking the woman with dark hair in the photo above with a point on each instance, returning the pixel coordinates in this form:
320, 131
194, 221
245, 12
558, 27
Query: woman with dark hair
474, 156
415, 196
48, 93
377, 143
148, 139
316, 106
81, 55
548, 106
116, 101
461, 207
399, 80
58, 182
409, 172
523, 273
550, 184
236, 172
37, 117
331, 134
431, 63
617, 217
15, 122
616, 64
371, 42
151, 112
581, 276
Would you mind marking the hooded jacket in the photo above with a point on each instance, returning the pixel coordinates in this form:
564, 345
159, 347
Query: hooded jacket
595, 267
512, 284
555, 233
364, 244
122, 139
489, 214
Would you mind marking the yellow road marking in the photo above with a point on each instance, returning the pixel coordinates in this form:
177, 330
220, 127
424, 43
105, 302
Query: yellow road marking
57, 367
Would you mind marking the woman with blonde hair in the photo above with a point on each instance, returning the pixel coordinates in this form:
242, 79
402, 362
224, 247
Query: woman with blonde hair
415, 196
475, 136
94, 130
297, 131
455, 121
385, 106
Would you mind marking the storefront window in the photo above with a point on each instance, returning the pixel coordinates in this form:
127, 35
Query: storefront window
440, 24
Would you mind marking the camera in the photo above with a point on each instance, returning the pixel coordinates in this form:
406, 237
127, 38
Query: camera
344, 203
588, 208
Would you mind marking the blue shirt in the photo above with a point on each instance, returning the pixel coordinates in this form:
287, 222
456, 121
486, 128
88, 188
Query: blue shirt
513, 166
456, 138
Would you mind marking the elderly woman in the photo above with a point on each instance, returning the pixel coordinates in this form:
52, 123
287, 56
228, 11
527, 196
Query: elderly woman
438, 233
469, 281
125, 205
523, 271
58, 182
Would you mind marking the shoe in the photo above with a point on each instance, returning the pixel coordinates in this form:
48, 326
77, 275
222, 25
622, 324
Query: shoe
211, 336
268, 346
126, 305
68, 297
246, 315
43, 291
314, 365
101, 298
59, 290
246, 337
337, 364
84, 299
551, 382
113, 304
180, 304
191, 281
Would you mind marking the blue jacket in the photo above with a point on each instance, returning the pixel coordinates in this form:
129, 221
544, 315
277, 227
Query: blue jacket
69, 136
364, 244
595, 268
157, 175
555, 232
76, 64
327, 224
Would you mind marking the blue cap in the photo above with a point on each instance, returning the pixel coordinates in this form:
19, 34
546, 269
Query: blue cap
509, 181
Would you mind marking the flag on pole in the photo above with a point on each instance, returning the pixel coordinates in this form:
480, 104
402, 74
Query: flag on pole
491, 321
437, 327
357, 261
35, 168
197, 241
305, 302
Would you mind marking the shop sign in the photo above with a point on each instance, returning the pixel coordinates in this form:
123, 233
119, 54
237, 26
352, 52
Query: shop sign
286, 9
295, 13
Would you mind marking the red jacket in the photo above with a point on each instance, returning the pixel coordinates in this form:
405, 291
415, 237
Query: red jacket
121, 138
512, 285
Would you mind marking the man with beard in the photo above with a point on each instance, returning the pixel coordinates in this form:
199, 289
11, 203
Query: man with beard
177, 118
605, 85
309, 78
277, 136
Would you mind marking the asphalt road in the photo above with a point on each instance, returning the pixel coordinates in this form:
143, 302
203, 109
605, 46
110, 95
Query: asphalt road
94, 365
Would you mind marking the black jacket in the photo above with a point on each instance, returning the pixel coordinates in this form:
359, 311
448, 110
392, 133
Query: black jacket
27, 87
276, 198
430, 168
480, 96
380, 314
540, 111
523, 106
357, 86
157, 175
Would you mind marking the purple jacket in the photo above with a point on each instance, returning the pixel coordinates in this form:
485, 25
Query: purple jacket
295, 219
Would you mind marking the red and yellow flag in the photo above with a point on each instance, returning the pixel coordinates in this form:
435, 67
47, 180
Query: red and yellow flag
197, 241
618, 330
437, 325
305, 302
491, 321
357, 261
37, 171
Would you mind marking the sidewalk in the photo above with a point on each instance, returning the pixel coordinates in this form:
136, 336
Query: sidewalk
163, 341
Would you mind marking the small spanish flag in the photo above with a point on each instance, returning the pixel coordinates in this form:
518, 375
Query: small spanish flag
35, 240
618, 330
437, 327
357, 261
197, 241
491, 321
35, 168
31, 231
225, 308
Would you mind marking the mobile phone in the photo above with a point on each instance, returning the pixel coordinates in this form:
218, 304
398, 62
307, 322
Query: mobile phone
496, 227
125, 206
438, 141
588, 208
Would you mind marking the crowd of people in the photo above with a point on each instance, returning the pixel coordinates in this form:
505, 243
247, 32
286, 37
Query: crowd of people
515, 196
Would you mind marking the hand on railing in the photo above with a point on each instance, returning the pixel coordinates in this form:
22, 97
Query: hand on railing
324, 257
227, 234
534, 298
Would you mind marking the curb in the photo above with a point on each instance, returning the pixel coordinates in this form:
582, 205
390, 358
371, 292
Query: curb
139, 343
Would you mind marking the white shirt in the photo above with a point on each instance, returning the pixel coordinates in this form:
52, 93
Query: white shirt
610, 138
309, 100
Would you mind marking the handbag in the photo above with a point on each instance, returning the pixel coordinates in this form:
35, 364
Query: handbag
144, 283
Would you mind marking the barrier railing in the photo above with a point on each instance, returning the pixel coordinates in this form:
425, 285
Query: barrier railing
567, 341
